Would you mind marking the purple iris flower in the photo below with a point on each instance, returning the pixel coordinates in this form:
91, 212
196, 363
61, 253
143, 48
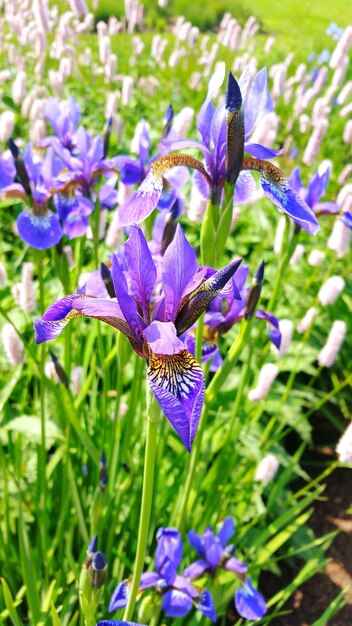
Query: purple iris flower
64, 117
133, 171
227, 309
7, 172
316, 189
215, 553
174, 376
117, 622
210, 176
178, 593
38, 226
347, 219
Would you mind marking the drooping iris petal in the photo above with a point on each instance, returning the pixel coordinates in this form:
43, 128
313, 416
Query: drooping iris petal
178, 385
197, 301
226, 531
196, 569
168, 572
179, 266
169, 546
39, 231
234, 565
276, 187
249, 603
148, 579
162, 338
176, 603
204, 603
141, 269
209, 347
147, 196
63, 311
120, 596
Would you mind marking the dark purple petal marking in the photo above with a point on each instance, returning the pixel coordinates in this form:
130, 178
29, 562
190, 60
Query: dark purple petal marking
276, 187
141, 269
204, 603
178, 385
176, 603
39, 231
249, 603
193, 305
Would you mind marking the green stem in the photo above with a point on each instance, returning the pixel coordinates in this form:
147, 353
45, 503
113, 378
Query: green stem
284, 257
153, 414
42, 450
232, 356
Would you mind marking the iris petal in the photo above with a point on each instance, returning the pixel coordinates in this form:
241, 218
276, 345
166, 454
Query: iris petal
39, 231
176, 603
249, 603
178, 384
204, 603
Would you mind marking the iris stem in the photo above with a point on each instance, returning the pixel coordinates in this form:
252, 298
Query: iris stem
42, 449
153, 416
287, 247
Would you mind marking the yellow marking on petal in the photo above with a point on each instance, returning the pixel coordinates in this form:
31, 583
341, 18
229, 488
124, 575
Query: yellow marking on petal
269, 170
176, 373
159, 166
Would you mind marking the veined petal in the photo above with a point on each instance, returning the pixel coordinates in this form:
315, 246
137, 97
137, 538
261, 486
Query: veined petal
169, 547
178, 385
295, 181
257, 101
120, 596
147, 196
39, 231
126, 301
276, 187
245, 188
176, 603
346, 218
196, 569
141, 269
179, 266
57, 316
162, 338
274, 332
130, 170
193, 305
226, 531
204, 603
249, 603
117, 622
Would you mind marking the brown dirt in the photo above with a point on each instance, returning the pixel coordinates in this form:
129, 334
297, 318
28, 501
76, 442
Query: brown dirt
313, 598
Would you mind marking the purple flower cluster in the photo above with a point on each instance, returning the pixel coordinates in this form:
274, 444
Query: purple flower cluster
177, 591
56, 180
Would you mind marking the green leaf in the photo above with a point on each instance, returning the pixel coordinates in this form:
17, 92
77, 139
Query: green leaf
337, 604
9, 603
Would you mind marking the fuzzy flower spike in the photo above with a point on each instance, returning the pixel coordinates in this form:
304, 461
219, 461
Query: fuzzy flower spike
225, 134
175, 377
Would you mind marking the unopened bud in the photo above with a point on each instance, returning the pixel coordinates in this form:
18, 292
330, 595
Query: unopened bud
267, 375
254, 292
13, 344
316, 258
344, 446
330, 350
330, 290
307, 320
267, 469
